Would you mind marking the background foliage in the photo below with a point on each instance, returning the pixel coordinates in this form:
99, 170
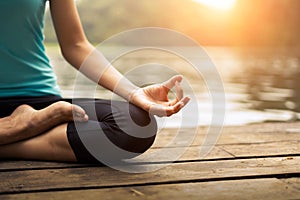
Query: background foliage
251, 22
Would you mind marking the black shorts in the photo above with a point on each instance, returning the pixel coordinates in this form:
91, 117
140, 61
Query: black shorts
126, 126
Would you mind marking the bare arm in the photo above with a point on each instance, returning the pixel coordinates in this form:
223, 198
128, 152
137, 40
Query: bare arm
76, 48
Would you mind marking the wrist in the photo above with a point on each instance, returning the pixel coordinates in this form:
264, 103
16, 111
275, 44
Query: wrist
131, 94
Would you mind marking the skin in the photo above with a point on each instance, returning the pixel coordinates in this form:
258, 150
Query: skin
26, 122
52, 144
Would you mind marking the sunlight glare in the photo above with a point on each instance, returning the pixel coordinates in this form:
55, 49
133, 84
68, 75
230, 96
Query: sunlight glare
218, 4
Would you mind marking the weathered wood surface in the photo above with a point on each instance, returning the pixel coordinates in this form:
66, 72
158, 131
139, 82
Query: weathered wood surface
71, 178
192, 154
252, 189
259, 161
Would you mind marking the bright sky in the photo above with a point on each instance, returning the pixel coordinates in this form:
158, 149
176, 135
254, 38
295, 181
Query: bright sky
218, 4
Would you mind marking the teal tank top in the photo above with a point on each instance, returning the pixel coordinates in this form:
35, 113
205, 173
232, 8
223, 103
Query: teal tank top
25, 69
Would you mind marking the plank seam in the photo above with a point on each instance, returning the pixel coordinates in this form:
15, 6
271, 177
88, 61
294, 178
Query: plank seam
204, 180
230, 144
162, 162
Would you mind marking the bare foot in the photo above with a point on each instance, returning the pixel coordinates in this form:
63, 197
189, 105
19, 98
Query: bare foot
26, 122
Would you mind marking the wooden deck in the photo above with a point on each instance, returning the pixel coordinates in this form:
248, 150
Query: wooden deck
251, 162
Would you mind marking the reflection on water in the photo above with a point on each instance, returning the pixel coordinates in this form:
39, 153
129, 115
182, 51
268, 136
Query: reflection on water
261, 84
276, 85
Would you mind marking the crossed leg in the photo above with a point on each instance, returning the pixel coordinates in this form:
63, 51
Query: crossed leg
52, 145
26, 122
120, 122
39, 134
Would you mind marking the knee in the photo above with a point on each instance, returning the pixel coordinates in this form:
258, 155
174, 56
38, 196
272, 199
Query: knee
138, 145
138, 133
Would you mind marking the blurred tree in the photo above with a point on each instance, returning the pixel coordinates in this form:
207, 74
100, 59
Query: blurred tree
251, 22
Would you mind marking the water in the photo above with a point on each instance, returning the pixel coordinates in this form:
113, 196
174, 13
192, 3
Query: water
261, 84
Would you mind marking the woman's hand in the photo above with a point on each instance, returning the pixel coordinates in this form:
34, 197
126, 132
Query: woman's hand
154, 98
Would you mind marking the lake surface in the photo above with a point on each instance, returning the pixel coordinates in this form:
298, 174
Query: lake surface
261, 84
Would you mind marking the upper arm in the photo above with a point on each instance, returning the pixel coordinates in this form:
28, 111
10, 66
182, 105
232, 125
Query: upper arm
67, 24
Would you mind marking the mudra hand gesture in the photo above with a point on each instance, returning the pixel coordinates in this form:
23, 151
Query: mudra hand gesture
154, 98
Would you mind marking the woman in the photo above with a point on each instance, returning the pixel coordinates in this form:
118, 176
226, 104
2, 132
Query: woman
27, 78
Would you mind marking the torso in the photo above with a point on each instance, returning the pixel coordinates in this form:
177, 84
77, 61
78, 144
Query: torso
24, 67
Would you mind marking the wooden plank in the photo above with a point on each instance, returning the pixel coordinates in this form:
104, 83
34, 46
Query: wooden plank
268, 189
292, 183
263, 149
9, 165
249, 134
39, 180
191, 154
259, 139
250, 140
259, 128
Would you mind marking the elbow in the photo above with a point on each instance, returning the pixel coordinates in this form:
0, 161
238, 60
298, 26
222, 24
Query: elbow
75, 53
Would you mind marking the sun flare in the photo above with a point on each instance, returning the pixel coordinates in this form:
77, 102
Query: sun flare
218, 4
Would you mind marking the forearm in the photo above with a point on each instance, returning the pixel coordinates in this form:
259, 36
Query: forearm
91, 62
83, 56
